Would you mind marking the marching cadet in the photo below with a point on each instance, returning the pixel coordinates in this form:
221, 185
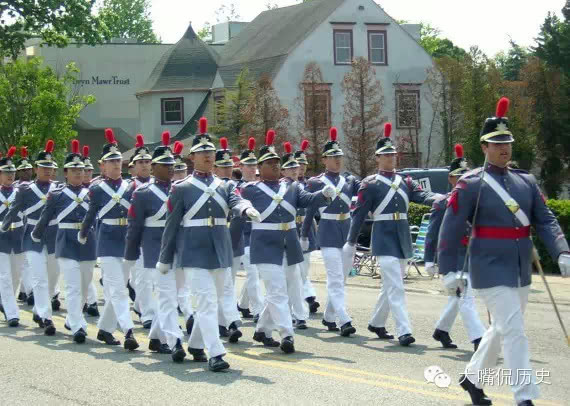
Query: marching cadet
332, 233
502, 204
196, 231
10, 242
180, 167
67, 206
228, 316
109, 201
30, 200
386, 195
299, 308
274, 245
251, 297
24, 169
90, 306
142, 278
309, 292
466, 303
147, 218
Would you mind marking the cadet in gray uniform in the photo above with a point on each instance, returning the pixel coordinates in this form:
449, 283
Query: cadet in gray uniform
24, 174
67, 205
197, 234
332, 234
275, 247
465, 303
500, 255
386, 195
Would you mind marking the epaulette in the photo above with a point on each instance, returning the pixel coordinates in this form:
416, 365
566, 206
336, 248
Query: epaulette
521, 171
471, 173
144, 186
370, 179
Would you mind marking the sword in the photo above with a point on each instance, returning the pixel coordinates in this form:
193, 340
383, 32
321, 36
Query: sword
536, 261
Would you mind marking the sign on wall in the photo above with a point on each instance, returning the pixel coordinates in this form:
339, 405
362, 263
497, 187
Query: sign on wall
98, 81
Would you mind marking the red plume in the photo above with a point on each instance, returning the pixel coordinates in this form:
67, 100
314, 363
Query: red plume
287, 146
86, 151
203, 124
11, 152
224, 143
270, 137
502, 107
235, 159
140, 141
110, 136
459, 150
75, 146
333, 133
166, 138
387, 130
251, 143
304, 145
49, 146
178, 147
24, 152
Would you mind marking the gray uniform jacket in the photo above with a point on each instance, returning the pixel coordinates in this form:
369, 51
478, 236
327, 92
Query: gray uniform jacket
501, 250
301, 215
390, 237
11, 239
268, 246
198, 232
236, 225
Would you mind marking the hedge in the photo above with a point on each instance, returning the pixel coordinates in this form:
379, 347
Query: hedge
560, 208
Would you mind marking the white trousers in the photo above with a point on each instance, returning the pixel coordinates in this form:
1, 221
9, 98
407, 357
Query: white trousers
251, 296
465, 305
116, 309
45, 274
299, 308
227, 309
183, 293
77, 276
25, 276
275, 314
336, 275
507, 306
9, 272
392, 296
165, 325
305, 266
207, 286
91, 291
145, 301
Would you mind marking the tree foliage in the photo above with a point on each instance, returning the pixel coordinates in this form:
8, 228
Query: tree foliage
436, 46
128, 19
36, 105
362, 117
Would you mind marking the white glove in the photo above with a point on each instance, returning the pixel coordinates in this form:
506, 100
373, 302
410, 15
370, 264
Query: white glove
127, 265
305, 244
453, 281
431, 269
329, 192
564, 264
348, 253
81, 241
253, 214
163, 268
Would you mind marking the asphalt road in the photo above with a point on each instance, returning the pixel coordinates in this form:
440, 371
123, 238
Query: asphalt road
326, 369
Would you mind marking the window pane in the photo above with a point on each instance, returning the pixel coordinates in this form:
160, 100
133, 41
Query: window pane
343, 55
342, 39
172, 117
408, 110
377, 41
376, 56
172, 105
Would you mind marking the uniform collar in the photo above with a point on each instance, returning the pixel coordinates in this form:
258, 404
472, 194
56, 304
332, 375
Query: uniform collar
75, 187
162, 183
387, 174
114, 182
332, 175
202, 175
143, 180
43, 184
8, 188
271, 182
497, 170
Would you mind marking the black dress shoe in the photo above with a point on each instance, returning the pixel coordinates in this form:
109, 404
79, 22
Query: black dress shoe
380, 332
300, 324
137, 312
347, 329
93, 310
154, 345
164, 349
107, 338
55, 303
224, 333
406, 340
37, 319
30, 300
288, 345
476, 344
66, 326
260, 337
245, 313
179, 311
22, 297
256, 318
444, 338
178, 354
2, 308
525, 403
13, 322
189, 324
477, 395
313, 304
49, 328
234, 333
217, 364
330, 325
147, 324
132, 293
79, 336
130, 341
198, 354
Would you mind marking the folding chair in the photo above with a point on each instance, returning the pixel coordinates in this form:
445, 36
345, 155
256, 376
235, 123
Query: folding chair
418, 244
364, 262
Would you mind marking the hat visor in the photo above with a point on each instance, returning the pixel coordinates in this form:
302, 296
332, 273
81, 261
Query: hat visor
223, 164
333, 153
111, 157
142, 157
459, 172
165, 161
500, 139
268, 157
179, 167
202, 148
8, 169
290, 165
387, 151
74, 165
248, 161
45, 165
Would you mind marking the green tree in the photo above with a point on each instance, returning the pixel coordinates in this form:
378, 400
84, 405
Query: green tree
437, 47
128, 19
55, 22
205, 32
37, 105
511, 63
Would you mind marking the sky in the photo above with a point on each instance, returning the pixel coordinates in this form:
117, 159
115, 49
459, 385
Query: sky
486, 23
